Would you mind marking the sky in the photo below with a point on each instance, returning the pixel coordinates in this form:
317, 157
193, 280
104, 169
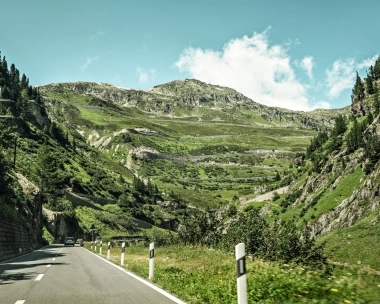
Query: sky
294, 54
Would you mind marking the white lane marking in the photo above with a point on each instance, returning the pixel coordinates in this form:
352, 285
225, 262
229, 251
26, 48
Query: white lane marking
161, 291
39, 277
53, 259
48, 265
20, 302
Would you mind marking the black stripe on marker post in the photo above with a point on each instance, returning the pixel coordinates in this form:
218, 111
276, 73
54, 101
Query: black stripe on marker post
151, 253
240, 267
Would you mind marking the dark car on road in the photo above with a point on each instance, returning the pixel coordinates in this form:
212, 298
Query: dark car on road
69, 241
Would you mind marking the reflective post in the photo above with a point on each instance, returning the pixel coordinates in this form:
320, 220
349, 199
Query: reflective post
122, 253
241, 276
109, 250
151, 260
101, 247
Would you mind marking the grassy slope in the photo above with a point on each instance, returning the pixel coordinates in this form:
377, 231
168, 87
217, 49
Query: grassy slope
204, 275
200, 132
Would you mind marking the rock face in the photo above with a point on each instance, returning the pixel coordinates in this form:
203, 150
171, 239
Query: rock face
61, 226
190, 94
33, 210
363, 201
18, 237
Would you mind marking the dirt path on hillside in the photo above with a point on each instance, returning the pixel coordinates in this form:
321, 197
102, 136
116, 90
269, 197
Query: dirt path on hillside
266, 196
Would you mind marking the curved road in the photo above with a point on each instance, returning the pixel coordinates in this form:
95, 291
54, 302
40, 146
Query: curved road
61, 275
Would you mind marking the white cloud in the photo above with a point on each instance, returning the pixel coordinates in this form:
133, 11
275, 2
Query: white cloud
146, 75
89, 61
97, 34
366, 63
341, 75
307, 64
253, 67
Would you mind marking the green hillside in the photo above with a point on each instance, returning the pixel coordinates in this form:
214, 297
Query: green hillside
186, 162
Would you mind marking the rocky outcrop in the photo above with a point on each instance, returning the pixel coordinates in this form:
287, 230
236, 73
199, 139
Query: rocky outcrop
22, 235
33, 209
61, 225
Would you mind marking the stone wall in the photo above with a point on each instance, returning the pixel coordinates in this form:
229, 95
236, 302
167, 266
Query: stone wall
15, 239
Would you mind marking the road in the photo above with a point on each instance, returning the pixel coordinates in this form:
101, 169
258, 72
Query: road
266, 196
56, 274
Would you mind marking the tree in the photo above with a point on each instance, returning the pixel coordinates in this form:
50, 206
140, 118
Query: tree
48, 170
354, 137
358, 90
376, 69
340, 125
369, 85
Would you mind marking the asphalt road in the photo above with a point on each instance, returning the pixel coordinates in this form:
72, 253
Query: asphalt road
57, 274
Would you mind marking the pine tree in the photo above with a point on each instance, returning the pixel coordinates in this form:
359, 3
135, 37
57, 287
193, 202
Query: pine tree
340, 125
74, 144
376, 69
369, 85
372, 72
358, 90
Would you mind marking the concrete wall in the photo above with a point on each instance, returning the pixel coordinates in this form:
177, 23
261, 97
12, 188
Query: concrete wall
15, 239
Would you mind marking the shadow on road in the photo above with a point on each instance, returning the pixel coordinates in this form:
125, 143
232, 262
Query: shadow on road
10, 275
19, 268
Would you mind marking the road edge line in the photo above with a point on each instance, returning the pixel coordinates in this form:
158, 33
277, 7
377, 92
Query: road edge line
151, 285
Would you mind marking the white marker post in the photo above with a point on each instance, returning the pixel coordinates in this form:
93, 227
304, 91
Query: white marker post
109, 251
122, 253
151, 260
101, 247
92, 246
241, 276
95, 246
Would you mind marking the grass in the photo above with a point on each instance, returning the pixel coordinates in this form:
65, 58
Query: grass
334, 197
203, 275
356, 243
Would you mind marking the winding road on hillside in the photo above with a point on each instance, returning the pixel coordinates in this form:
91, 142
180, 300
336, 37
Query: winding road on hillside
265, 196
61, 275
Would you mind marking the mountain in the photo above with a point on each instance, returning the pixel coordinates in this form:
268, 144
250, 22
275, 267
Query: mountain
212, 146
188, 135
179, 98
129, 159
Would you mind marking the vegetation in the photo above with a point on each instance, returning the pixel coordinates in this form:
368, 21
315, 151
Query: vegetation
198, 274
177, 175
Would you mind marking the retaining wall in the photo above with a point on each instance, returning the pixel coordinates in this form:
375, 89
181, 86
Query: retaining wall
15, 239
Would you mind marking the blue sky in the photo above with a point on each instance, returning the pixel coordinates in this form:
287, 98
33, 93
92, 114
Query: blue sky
296, 54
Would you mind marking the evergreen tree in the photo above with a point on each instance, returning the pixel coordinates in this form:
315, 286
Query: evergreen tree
48, 170
376, 69
354, 137
369, 85
372, 72
358, 90
74, 144
340, 125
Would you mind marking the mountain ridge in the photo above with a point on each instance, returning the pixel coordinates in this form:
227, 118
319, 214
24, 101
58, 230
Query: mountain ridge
179, 96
